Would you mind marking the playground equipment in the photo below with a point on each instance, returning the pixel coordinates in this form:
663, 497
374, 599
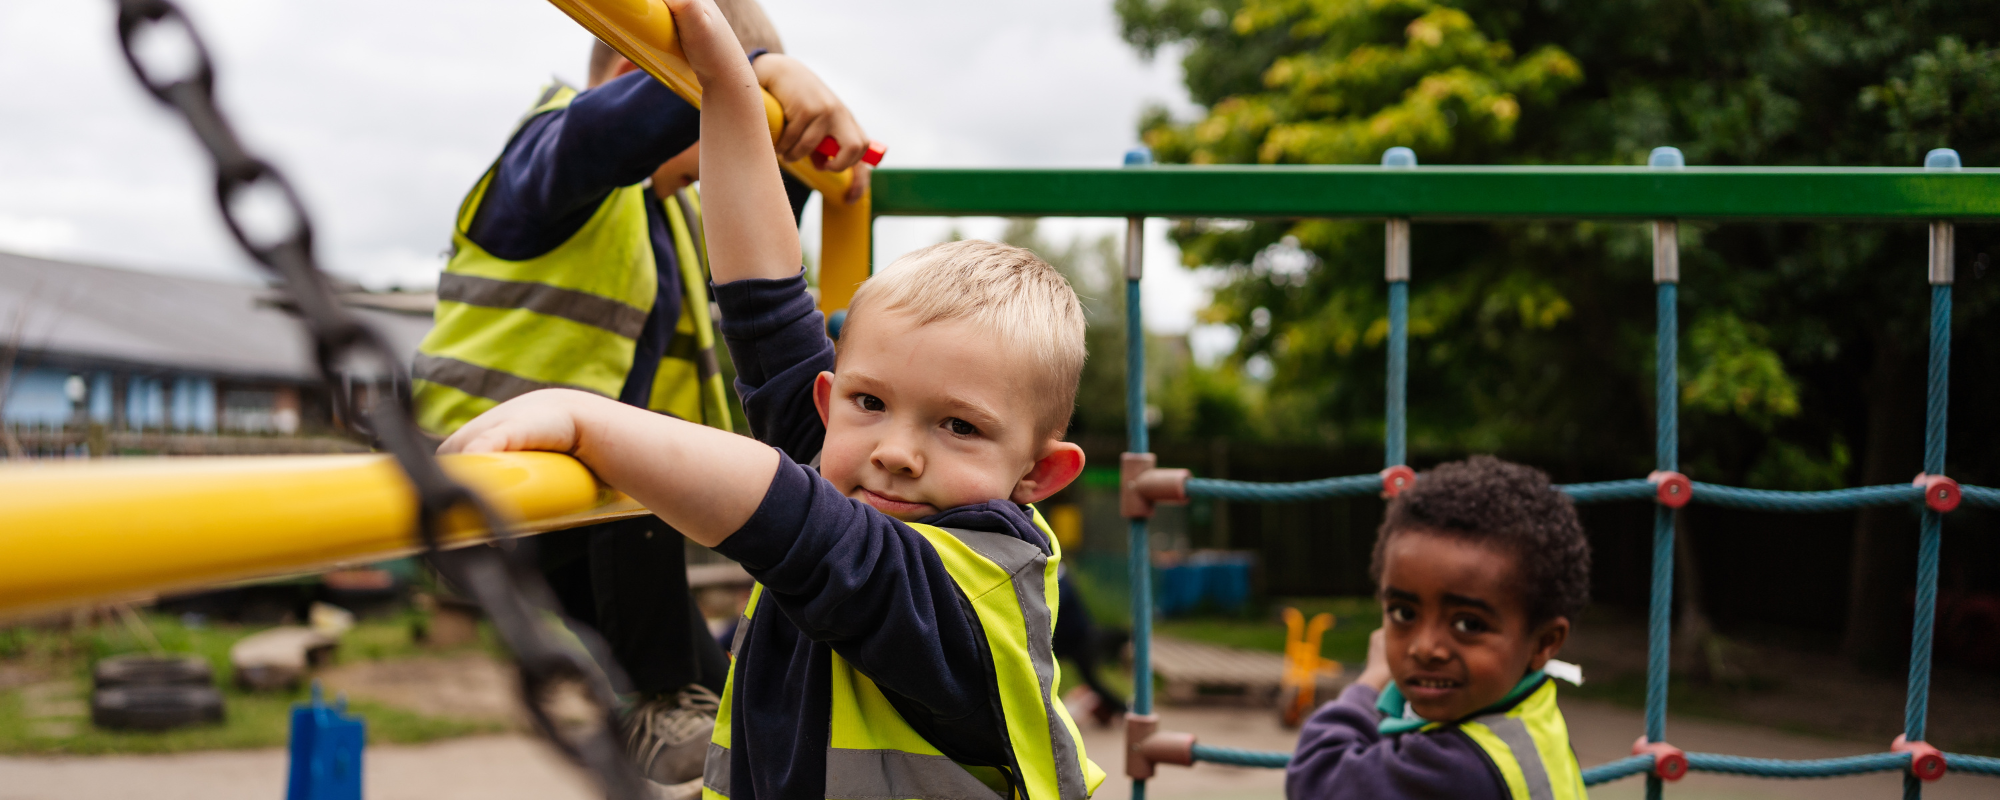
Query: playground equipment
643, 31
1399, 191
1303, 665
218, 511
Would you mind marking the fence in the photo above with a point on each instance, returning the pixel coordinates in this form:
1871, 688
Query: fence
1663, 192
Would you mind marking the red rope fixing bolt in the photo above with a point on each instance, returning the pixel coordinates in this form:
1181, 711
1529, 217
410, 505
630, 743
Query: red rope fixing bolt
1672, 488
1669, 762
1926, 762
1940, 493
1397, 478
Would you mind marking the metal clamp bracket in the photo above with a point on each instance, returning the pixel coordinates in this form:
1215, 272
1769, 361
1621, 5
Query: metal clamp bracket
1141, 485
1147, 745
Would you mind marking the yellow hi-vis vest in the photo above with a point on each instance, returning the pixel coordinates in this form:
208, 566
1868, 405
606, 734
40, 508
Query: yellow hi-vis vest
875, 755
1529, 745
571, 317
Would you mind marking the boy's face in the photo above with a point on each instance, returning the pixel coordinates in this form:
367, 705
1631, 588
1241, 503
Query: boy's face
920, 419
1455, 629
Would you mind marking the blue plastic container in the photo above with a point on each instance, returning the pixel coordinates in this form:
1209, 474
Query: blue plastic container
326, 751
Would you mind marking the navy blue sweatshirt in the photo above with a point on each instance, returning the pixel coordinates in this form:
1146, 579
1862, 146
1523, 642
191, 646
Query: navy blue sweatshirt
557, 170
840, 577
1342, 754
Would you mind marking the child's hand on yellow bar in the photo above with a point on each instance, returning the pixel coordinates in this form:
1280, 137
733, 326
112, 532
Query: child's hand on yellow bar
708, 43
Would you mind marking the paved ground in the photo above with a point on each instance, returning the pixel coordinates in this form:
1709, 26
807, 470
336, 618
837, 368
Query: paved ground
514, 766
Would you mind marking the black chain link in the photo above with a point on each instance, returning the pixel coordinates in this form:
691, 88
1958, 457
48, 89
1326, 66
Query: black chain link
502, 579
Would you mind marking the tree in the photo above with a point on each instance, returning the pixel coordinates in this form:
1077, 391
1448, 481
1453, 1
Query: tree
1535, 339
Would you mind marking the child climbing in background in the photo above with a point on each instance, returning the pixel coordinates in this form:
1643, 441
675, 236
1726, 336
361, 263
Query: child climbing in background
898, 643
1480, 566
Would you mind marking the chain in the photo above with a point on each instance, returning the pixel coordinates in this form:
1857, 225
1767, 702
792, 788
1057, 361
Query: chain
169, 59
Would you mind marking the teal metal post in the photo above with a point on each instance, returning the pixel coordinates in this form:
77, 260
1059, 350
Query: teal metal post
1396, 270
1666, 455
1139, 560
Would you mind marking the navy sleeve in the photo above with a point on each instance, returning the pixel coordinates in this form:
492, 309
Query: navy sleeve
563, 163
777, 339
1341, 755
875, 590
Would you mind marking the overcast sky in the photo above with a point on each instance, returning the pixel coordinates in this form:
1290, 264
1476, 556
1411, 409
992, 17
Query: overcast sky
384, 112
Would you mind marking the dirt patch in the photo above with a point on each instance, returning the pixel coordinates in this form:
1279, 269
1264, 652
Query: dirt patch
14, 674
469, 686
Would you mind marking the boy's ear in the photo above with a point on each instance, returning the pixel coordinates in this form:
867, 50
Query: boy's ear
1059, 464
823, 395
1549, 641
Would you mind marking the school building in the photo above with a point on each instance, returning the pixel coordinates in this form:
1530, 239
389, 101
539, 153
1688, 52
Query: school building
85, 347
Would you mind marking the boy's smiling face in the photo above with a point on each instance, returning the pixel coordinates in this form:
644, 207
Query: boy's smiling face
1455, 630
925, 418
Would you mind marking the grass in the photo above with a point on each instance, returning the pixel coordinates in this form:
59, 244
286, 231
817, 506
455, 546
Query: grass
62, 659
1354, 619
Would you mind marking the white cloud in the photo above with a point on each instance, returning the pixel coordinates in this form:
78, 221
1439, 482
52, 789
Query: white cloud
37, 236
384, 112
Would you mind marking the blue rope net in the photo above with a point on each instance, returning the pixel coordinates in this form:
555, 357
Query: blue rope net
1667, 456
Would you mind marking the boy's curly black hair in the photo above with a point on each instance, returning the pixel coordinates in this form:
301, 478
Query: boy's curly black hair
1507, 506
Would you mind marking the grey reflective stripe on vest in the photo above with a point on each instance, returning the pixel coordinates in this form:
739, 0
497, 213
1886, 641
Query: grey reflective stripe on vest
479, 381
1515, 733
593, 310
1029, 567
715, 770
896, 775
872, 775
742, 630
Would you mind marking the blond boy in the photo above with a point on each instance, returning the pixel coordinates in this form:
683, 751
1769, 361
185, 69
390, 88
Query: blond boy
898, 644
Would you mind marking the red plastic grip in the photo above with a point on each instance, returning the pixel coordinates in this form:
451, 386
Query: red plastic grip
1669, 762
1397, 478
1941, 494
871, 156
1671, 488
1926, 762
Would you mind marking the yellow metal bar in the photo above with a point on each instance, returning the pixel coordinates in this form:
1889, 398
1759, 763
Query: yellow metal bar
72, 533
843, 249
643, 31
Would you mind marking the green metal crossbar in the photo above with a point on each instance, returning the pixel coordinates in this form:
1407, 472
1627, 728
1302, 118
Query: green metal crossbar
1398, 191
1442, 193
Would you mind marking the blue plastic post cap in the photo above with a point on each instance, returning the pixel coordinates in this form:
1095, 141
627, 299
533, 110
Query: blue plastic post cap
1666, 158
834, 322
1399, 158
1942, 158
1139, 156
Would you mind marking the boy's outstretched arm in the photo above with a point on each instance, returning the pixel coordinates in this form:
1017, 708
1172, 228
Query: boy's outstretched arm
746, 220
702, 481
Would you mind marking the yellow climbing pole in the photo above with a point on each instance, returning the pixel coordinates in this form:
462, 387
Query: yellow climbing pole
87, 531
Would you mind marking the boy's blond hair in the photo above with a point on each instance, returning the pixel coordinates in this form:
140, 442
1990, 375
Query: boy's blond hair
1008, 290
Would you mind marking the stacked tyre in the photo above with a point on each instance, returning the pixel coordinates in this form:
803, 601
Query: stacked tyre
153, 693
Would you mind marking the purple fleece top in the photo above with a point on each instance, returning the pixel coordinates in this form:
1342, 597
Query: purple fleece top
841, 577
1341, 755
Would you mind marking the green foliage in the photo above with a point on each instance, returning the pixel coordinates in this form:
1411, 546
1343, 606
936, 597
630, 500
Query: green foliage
1365, 76
1735, 372
1536, 339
